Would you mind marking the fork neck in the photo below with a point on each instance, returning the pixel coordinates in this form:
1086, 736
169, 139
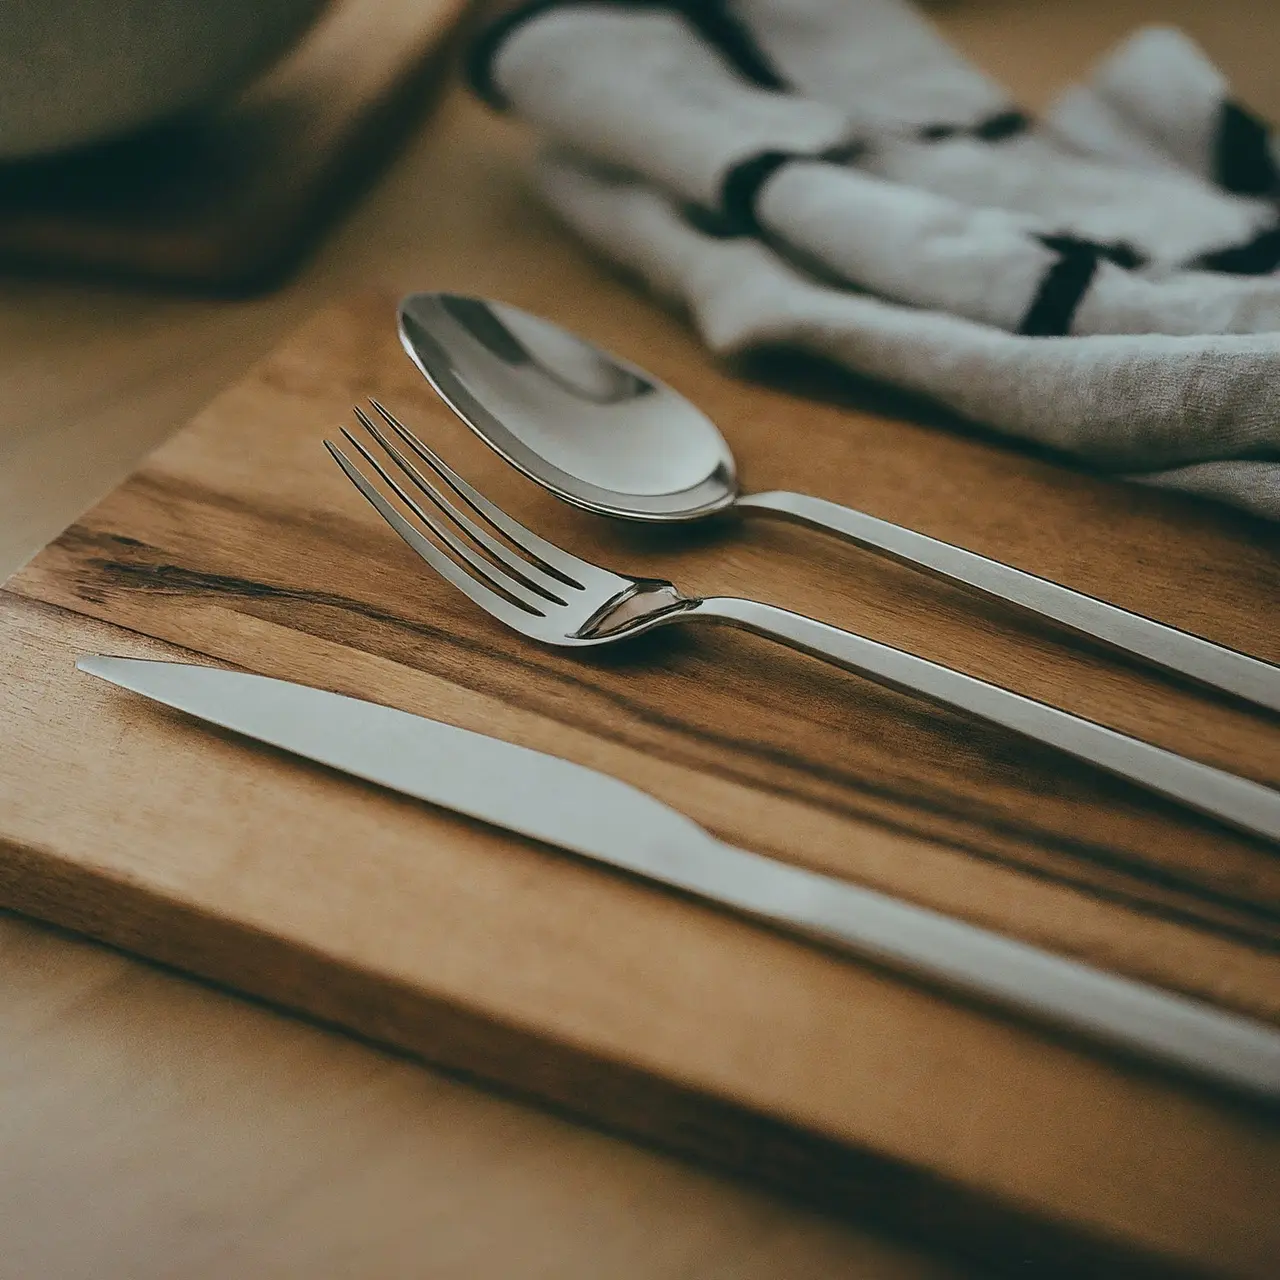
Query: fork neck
646, 605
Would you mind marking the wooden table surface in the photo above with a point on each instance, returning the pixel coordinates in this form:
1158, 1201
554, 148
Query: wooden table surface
152, 1126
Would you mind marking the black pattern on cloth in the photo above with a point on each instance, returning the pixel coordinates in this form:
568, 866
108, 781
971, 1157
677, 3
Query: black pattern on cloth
1257, 257
1062, 289
1067, 281
483, 52
1242, 158
994, 128
713, 20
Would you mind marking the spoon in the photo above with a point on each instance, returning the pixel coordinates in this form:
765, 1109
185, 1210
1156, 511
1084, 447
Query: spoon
605, 435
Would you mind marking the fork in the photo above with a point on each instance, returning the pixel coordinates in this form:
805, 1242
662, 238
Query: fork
553, 596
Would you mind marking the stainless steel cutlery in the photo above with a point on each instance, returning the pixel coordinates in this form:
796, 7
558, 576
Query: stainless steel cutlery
605, 435
599, 817
553, 596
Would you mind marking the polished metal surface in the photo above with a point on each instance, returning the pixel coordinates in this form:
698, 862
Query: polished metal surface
558, 598
591, 814
605, 435
535, 794
594, 430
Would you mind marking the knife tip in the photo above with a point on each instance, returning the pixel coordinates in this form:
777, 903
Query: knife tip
98, 664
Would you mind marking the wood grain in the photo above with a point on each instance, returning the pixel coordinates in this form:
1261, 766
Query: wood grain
239, 540
232, 201
246, 512
648, 1013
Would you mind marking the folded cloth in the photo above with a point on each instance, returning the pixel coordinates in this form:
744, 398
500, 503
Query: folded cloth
830, 174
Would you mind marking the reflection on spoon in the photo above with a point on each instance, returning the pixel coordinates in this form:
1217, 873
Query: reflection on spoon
607, 436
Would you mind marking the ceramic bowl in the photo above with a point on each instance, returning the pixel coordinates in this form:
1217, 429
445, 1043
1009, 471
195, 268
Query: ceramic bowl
74, 72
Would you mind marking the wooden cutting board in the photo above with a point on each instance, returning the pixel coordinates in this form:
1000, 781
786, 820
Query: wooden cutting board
240, 542
231, 201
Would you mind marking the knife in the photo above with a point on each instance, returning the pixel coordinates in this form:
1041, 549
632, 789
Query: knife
596, 816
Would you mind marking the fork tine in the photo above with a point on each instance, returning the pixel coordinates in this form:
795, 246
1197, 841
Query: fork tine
556, 561
529, 574
500, 606
491, 574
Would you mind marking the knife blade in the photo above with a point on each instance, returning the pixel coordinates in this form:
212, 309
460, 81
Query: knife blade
596, 816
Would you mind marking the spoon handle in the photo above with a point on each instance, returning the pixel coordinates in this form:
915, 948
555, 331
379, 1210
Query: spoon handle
1191, 656
1240, 803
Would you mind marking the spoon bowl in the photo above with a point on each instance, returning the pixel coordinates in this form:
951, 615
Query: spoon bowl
595, 430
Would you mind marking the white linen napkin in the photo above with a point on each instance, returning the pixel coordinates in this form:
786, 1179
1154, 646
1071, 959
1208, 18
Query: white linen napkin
831, 175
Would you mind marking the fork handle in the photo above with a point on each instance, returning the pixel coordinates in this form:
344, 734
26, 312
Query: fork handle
1236, 801
1191, 656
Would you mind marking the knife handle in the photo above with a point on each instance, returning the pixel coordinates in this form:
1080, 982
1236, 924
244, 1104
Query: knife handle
1189, 655
1189, 1035
1236, 801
